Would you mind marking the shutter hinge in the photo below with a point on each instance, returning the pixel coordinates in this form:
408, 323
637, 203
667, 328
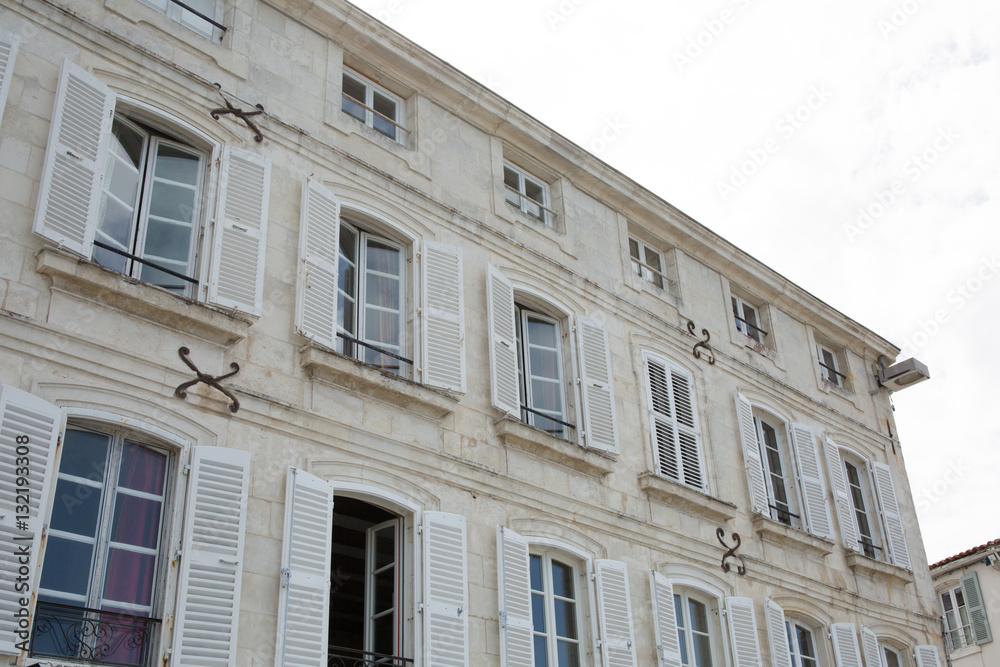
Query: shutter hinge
420, 530
45, 529
503, 619
187, 469
177, 554
460, 610
286, 574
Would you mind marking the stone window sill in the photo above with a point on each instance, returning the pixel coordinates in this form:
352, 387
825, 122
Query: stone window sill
691, 500
95, 283
544, 445
877, 569
761, 349
389, 388
786, 536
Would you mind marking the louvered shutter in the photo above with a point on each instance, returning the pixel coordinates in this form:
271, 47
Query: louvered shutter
777, 635
514, 589
845, 645
751, 456
869, 646
23, 415
977, 608
503, 343
443, 317
844, 508
597, 395
446, 595
668, 648
673, 422
9, 42
814, 503
743, 632
319, 250
304, 596
69, 196
926, 655
236, 278
211, 572
615, 614
891, 518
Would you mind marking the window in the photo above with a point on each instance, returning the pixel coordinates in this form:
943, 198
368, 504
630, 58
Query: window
373, 105
891, 657
695, 631
527, 193
957, 625
554, 612
861, 504
540, 372
801, 645
647, 263
203, 19
777, 469
674, 422
830, 366
748, 320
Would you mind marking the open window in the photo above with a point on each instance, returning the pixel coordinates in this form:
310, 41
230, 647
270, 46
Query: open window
832, 364
202, 16
965, 620
527, 193
373, 105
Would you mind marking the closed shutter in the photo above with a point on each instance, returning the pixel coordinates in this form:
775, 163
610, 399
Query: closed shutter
615, 614
777, 635
743, 632
443, 317
869, 645
319, 250
304, 596
236, 278
977, 608
597, 395
845, 645
69, 196
668, 648
446, 594
751, 456
674, 422
926, 655
891, 518
211, 572
844, 508
503, 343
9, 42
514, 586
29, 432
817, 514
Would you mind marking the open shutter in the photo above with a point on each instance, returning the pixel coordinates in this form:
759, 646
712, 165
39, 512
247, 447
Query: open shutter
926, 655
743, 632
319, 250
514, 586
777, 635
845, 645
890, 515
844, 509
597, 395
751, 456
869, 646
503, 343
615, 613
674, 422
29, 431
443, 313
446, 591
9, 42
977, 609
211, 572
304, 597
668, 648
236, 279
814, 504
69, 197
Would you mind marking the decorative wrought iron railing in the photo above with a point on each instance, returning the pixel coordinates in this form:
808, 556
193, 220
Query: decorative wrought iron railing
92, 635
349, 657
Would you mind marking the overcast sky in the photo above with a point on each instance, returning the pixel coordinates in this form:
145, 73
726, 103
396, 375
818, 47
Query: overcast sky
851, 146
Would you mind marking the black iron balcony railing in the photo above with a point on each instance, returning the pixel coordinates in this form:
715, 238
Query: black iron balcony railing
151, 264
835, 372
784, 516
92, 635
381, 350
349, 657
203, 17
748, 324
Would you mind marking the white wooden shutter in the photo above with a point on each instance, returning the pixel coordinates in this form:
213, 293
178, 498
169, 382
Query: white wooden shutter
891, 519
845, 510
503, 343
304, 596
69, 196
236, 278
751, 456
926, 655
514, 588
668, 648
597, 395
743, 632
443, 317
211, 571
869, 646
977, 608
777, 635
817, 514
9, 42
845, 645
319, 250
26, 421
615, 614
446, 591
674, 422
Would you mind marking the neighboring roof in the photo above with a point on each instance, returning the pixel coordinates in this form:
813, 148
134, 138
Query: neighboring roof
969, 552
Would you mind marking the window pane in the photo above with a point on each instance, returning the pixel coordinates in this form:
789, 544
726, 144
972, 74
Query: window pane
536, 573
356, 90
177, 165
385, 591
136, 521
77, 508
805, 642
569, 654
562, 580
702, 651
633, 249
129, 577
68, 566
512, 179
172, 201
534, 191
382, 291
565, 619
699, 616
142, 469
382, 629
85, 455
538, 612
385, 547
541, 333
541, 655
386, 107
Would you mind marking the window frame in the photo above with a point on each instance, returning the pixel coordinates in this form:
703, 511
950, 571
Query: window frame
864, 489
789, 478
965, 630
524, 313
548, 557
753, 331
683, 594
400, 132
832, 374
792, 628
545, 214
642, 268
176, 13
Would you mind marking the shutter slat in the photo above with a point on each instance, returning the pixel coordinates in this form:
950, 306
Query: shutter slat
977, 608
446, 608
845, 645
668, 648
751, 456
844, 509
9, 43
516, 637
927, 655
815, 508
596, 385
443, 312
743, 632
869, 645
777, 634
503, 343
891, 519
316, 290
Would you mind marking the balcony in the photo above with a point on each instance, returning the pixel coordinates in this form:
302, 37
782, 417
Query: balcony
349, 657
93, 636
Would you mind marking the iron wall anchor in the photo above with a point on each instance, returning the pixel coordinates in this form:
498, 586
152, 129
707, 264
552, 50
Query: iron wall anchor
210, 380
239, 113
709, 353
741, 569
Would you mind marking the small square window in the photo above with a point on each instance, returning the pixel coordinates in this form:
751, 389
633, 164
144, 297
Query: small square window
373, 105
527, 193
830, 367
647, 263
202, 16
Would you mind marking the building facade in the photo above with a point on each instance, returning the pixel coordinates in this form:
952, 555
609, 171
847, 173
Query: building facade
968, 589
316, 351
